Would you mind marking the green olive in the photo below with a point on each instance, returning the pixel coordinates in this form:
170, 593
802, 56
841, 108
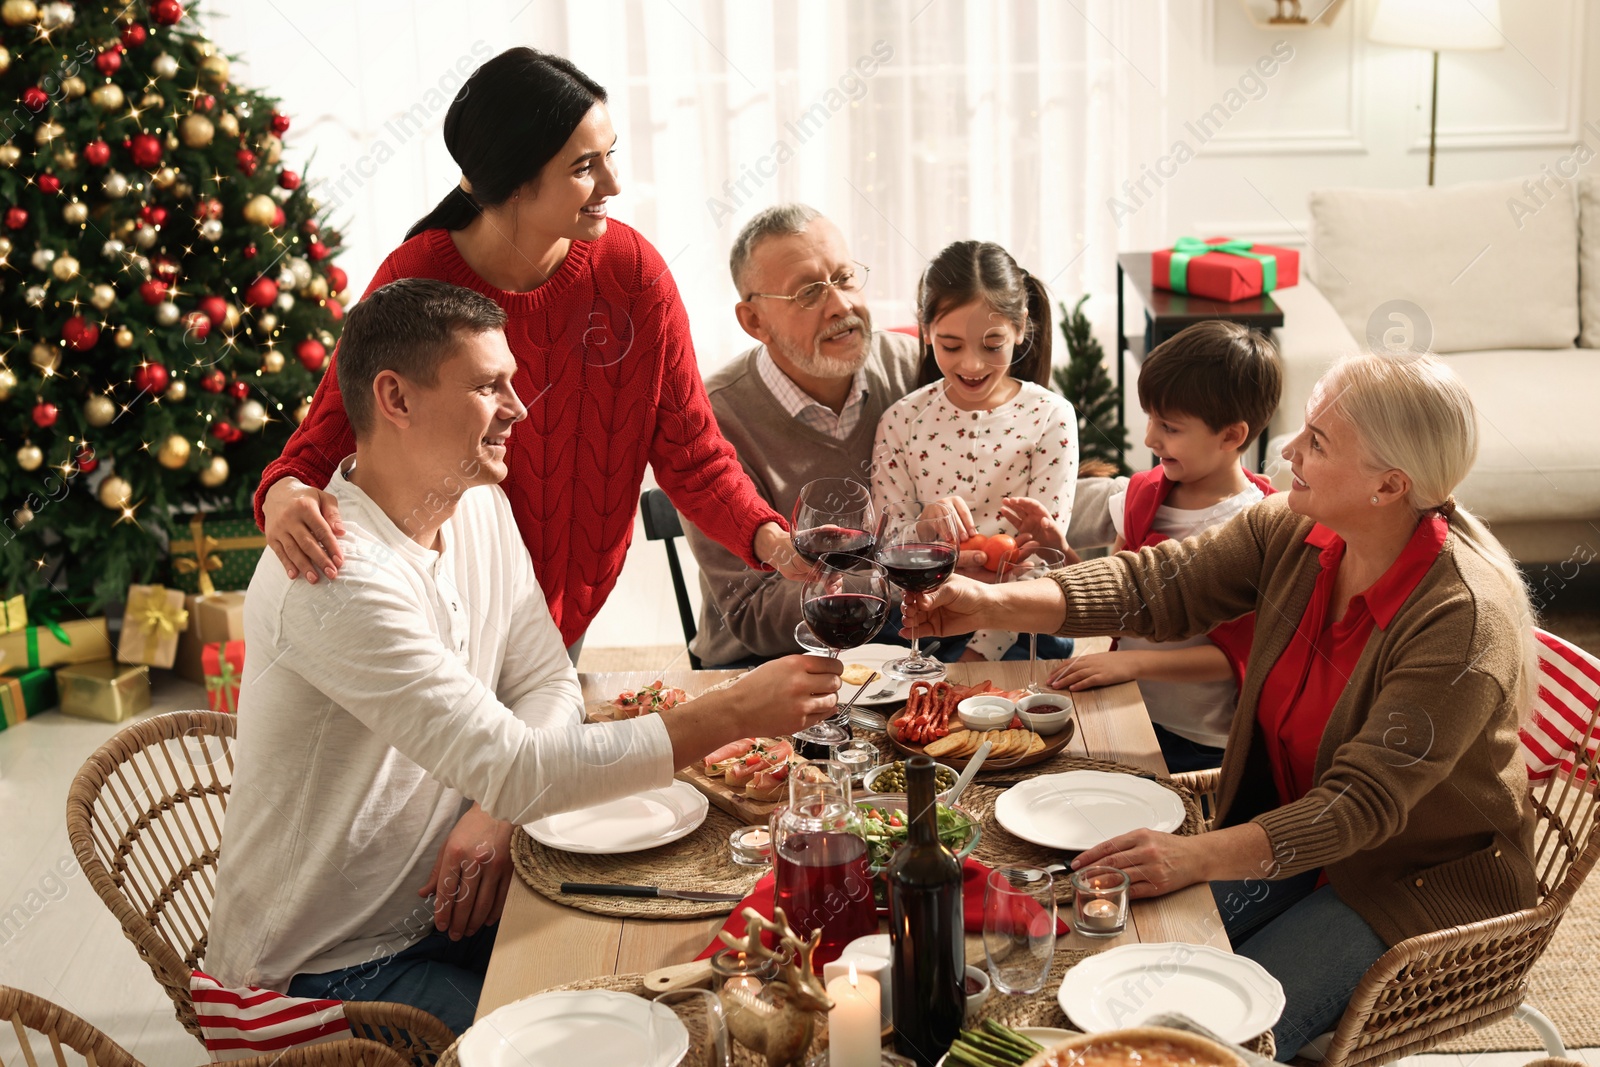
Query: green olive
892, 779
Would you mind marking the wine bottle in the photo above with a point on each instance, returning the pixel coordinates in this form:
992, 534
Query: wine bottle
929, 954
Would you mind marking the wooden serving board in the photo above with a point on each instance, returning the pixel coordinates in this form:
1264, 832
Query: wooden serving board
730, 800
1053, 743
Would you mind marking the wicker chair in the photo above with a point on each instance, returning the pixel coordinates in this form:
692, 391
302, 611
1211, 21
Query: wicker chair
1434, 987
145, 819
64, 1031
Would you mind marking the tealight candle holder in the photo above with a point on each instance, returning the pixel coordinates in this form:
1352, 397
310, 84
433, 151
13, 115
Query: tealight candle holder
751, 846
857, 757
1100, 901
739, 979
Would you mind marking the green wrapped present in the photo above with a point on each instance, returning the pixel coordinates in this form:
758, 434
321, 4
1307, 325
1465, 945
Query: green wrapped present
218, 550
24, 693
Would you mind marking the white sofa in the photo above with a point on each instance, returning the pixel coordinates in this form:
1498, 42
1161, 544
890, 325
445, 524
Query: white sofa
1507, 283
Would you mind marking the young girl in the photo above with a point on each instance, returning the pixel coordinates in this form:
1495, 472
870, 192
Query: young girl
984, 426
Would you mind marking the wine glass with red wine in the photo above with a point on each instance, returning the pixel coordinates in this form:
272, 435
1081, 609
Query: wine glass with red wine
833, 522
918, 550
847, 605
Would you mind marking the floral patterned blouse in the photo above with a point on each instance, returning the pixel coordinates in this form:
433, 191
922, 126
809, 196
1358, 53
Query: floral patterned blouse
928, 448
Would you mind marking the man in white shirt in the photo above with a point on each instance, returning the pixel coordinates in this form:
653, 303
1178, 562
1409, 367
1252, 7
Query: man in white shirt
396, 724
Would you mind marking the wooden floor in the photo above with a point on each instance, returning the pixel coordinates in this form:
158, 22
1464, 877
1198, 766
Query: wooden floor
58, 940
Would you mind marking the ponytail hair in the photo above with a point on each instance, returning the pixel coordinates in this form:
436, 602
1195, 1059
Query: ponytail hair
970, 271
510, 118
1413, 414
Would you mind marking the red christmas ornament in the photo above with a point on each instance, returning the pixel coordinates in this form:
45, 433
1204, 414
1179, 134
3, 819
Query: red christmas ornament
247, 161
226, 432
317, 251
250, 251
151, 378
80, 333
44, 414
154, 214
98, 153
165, 12
338, 280
214, 308
213, 381
146, 150
16, 218
209, 208
49, 184
310, 226
278, 217
239, 390
153, 291
108, 62
335, 310
311, 354
34, 98
198, 325
166, 268
262, 292
134, 35
280, 123
289, 180
206, 102
85, 459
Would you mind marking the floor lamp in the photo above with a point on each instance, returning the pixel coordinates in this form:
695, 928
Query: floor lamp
1437, 25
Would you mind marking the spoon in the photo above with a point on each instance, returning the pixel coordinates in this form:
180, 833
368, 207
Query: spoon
969, 774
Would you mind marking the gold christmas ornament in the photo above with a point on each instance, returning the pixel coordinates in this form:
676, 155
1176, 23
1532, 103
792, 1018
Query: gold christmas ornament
177, 389
302, 411
215, 473
250, 416
19, 12
9, 154
230, 320
8, 382
260, 210
271, 149
74, 87
76, 213
115, 185
66, 158
203, 47
23, 516
182, 189
172, 139
123, 337
174, 452
149, 101
318, 289
107, 97
267, 322
196, 130
48, 131
115, 493
167, 313
30, 458
102, 296
65, 268
164, 178
271, 362
98, 410
228, 123
215, 68
44, 357
5, 60
164, 66
5, 248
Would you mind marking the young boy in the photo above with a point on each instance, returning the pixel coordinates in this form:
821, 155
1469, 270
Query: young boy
1208, 393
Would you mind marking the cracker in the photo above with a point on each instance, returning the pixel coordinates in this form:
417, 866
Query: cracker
1035, 744
948, 744
856, 674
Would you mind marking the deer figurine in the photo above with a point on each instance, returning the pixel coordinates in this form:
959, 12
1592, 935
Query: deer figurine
779, 1028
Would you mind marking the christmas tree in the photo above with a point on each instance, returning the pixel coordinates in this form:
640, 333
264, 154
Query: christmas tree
1084, 381
168, 298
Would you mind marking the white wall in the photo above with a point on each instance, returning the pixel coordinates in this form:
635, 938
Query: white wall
1341, 111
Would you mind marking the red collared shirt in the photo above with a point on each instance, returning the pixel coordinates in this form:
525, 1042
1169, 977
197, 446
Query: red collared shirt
1301, 688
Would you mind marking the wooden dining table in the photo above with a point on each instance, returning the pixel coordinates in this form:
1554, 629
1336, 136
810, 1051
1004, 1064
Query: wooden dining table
543, 944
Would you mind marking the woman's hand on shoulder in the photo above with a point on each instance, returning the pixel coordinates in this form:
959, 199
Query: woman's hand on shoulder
303, 527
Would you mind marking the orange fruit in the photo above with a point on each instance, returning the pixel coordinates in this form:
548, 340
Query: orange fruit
1000, 547
975, 543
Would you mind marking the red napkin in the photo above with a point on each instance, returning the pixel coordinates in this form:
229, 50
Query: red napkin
973, 876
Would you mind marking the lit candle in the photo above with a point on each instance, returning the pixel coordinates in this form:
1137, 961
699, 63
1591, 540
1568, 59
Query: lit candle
1100, 914
854, 1031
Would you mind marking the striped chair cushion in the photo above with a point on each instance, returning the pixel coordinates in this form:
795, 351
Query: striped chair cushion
1569, 692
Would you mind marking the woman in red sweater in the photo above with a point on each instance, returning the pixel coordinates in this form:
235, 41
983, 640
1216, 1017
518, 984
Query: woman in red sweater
605, 361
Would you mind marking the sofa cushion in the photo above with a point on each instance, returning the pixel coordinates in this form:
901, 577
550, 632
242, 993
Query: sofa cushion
1483, 276
1589, 260
1537, 455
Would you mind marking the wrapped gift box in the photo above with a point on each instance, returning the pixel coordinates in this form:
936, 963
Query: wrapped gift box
1224, 269
55, 644
214, 619
13, 614
216, 551
24, 693
155, 618
224, 663
110, 692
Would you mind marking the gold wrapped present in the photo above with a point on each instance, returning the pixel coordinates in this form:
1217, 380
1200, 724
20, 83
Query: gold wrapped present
52, 644
106, 691
13, 614
214, 619
150, 628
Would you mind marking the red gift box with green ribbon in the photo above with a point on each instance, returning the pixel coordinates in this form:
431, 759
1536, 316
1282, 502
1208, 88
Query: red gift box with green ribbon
1221, 268
224, 667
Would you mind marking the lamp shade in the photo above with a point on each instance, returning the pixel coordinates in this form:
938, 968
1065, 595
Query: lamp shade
1438, 25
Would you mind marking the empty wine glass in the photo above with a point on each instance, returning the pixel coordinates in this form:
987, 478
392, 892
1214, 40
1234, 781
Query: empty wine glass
833, 522
1019, 927
1036, 563
918, 550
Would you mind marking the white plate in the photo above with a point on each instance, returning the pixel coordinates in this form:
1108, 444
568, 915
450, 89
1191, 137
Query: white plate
631, 824
875, 656
1076, 810
1233, 997
1045, 1035
597, 1028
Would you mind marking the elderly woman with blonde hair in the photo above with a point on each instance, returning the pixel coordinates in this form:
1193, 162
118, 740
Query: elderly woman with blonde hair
1372, 787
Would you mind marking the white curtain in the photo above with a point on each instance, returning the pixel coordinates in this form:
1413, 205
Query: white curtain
911, 123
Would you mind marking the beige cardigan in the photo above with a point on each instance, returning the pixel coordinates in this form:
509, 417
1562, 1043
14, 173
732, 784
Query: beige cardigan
1420, 814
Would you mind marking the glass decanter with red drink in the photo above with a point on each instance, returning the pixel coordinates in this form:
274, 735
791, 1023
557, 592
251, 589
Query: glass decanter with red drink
820, 862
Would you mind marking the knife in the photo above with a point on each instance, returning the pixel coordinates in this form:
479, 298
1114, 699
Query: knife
601, 890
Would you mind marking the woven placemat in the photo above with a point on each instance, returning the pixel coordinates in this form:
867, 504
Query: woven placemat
699, 861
